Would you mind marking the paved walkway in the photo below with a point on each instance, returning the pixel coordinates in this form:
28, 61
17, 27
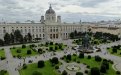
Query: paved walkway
15, 63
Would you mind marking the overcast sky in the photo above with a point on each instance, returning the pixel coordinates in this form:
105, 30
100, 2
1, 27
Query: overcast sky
70, 10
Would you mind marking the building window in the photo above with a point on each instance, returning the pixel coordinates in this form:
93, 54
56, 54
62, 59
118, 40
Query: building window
50, 30
50, 36
56, 30
32, 30
36, 30
40, 30
13, 30
56, 35
29, 30
25, 31
4, 31
36, 36
21, 31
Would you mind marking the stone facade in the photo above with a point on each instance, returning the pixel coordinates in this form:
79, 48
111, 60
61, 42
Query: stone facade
49, 28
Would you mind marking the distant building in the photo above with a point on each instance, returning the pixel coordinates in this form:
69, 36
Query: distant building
49, 28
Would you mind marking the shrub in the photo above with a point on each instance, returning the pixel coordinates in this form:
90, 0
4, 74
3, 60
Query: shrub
78, 61
86, 71
23, 46
56, 43
81, 55
74, 59
67, 61
106, 64
79, 73
95, 71
68, 57
24, 66
2, 58
29, 52
47, 44
51, 48
74, 55
51, 43
89, 57
103, 69
19, 56
88, 66
36, 73
60, 46
41, 64
98, 58
118, 72
56, 67
64, 72
3, 72
55, 60
114, 50
30, 61
39, 50
18, 51
56, 47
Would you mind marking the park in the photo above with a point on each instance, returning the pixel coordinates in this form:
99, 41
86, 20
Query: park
76, 56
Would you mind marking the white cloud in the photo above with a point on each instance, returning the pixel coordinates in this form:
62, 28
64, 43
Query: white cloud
33, 9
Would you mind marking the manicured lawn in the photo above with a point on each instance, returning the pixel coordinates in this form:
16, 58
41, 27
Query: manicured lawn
54, 45
47, 70
3, 72
117, 54
92, 63
2, 53
23, 51
7, 73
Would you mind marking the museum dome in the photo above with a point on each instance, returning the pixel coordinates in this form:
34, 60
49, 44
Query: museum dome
50, 11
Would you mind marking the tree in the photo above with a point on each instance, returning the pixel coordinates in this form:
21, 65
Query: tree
12, 38
36, 73
1, 42
55, 60
72, 35
25, 38
98, 58
41, 64
29, 37
18, 36
103, 69
95, 71
75, 33
106, 63
79, 73
7, 38
64, 72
